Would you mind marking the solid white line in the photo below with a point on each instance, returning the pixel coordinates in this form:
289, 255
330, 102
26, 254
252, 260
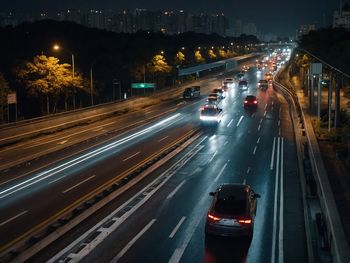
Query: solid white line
254, 150
177, 227
280, 242
12, 218
175, 190
258, 140
261, 120
240, 119
220, 173
229, 124
163, 138
56, 180
211, 159
274, 223
131, 156
273, 153
132, 241
74, 186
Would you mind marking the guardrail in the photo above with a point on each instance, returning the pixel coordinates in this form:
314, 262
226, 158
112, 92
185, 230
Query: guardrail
334, 230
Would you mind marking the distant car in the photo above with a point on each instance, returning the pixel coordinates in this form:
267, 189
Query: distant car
214, 96
245, 68
232, 211
192, 92
243, 84
268, 76
227, 83
211, 114
240, 75
263, 84
221, 92
250, 101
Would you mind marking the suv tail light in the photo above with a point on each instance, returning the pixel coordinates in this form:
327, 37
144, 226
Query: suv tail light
213, 218
245, 221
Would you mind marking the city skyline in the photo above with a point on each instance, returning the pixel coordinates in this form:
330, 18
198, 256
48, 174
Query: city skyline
266, 14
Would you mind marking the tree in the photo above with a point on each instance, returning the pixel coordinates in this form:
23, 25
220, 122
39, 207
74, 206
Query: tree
222, 53
179, 58
211, 54
198, 57
46, 77
159, 65
4, 91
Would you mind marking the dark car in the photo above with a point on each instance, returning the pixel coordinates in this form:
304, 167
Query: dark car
243, 84
263, 84
192, 92
221, 92
232, 211
250, 101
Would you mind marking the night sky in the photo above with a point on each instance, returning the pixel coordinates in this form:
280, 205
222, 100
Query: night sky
271, 16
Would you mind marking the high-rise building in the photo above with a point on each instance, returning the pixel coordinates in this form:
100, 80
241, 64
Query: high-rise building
250, 29
341, 18
238, 28
305, 29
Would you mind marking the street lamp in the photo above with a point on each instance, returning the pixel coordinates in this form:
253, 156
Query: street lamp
56, 47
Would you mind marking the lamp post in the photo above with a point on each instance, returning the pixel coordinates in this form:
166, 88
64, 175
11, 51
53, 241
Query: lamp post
57, 47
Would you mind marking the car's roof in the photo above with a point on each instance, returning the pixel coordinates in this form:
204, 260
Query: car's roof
250, 97
229, 190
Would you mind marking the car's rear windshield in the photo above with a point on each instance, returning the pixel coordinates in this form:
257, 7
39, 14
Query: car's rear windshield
209, 112
230, 205
243, 83
250, 97
263, 81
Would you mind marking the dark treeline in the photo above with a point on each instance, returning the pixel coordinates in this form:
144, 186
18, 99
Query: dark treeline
113, 55
331, 45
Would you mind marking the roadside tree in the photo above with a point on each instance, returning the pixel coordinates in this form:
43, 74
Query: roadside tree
46, 78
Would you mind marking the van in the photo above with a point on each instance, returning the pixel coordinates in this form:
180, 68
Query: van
192, 92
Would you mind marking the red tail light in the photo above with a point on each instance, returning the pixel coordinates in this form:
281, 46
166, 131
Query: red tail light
245, 101
214, 218
255, 101
245, 221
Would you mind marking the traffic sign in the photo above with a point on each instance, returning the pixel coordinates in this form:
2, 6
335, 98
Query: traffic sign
12, 98
143, 85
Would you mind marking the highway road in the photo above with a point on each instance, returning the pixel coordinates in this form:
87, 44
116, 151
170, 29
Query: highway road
162, 218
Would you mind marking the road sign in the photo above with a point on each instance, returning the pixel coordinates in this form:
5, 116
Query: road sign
143, 85
12, 98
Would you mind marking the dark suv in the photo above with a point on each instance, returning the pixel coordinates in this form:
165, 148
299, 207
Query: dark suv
232, 211
192, 92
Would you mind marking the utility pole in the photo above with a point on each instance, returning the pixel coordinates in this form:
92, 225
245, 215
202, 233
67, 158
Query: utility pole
330, 93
